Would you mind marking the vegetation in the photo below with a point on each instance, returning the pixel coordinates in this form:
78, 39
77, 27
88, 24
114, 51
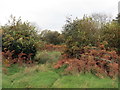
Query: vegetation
89, 31
52, 37
43, 76
85, 55
47, 56
95, 60
20, 37
79, 33
111, 35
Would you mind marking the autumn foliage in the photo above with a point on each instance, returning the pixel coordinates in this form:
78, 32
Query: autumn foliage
84, 46
51, 47
96, 60
22, 58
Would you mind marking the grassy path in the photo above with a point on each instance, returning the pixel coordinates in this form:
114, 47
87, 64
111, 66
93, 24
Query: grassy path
41, 77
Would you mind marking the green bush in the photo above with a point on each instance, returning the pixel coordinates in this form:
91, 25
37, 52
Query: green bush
79, 33
20, 37
47, 56
89, 32
111, 34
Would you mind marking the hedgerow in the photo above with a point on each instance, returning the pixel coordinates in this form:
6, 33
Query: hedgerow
20, 37
96, 60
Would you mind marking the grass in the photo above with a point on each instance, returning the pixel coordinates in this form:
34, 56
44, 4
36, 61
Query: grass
85, 81
40, 79
47, 56
43, 76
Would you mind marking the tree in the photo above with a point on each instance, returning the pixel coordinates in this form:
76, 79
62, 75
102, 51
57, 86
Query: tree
51, 37
79, 33
19, 36
101, 18
111, 34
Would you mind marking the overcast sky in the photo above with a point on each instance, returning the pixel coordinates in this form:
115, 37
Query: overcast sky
51, 14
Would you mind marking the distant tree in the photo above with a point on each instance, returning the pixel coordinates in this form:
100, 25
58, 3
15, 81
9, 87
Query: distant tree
51, 37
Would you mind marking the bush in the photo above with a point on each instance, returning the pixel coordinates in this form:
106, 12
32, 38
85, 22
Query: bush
87, 31
96, 60
20, 37
79, 33
111, 34
44, 57
8, 59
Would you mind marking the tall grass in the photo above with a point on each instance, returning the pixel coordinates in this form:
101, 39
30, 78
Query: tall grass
85, 81
47, 56
43, 76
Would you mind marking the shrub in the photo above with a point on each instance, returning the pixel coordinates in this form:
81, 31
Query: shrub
111, 34
8, 59
47, 56
89, 31
79, 33
20, 37
96, 60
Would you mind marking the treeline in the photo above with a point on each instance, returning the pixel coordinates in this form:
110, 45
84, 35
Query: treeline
52, 37
88, 31
90, 44
23, 37
91, 31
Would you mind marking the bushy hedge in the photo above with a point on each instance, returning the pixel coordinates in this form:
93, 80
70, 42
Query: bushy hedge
96, 60
111, 34
19, 36
79, 33
88, 32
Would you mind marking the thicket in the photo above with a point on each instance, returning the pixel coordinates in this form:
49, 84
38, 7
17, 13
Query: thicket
20, 37
95, 60
91, 45
111, 34
90, 31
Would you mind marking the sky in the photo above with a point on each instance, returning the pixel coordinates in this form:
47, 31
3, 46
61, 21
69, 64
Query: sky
51, 14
